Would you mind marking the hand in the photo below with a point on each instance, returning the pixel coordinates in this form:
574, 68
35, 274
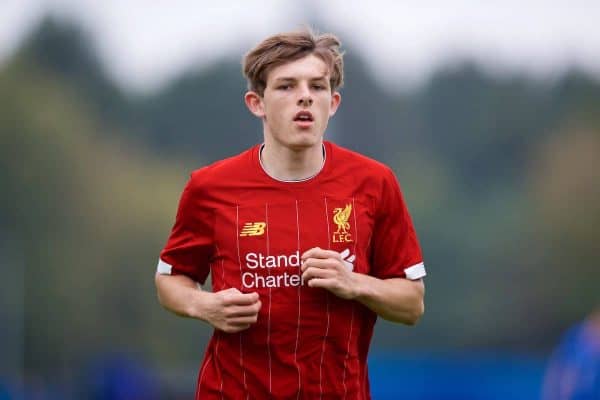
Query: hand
325, 269
231, 310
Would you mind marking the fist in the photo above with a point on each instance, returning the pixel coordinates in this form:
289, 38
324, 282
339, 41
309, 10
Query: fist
233, 311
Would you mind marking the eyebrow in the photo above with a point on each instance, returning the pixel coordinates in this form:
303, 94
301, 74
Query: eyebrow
290, 79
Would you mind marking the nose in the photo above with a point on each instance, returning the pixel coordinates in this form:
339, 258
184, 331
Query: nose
305, 98
305, 101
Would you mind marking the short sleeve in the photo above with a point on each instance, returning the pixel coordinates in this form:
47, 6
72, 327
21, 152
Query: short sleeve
395, 248
189, 248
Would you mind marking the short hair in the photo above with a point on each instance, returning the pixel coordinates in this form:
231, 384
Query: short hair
282, 48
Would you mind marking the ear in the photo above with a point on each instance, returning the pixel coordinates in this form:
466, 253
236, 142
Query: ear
254, 103
336, 99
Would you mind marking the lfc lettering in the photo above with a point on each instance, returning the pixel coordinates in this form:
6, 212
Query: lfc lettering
341, 237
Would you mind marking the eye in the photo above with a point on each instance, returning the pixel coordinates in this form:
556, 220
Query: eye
284, 87
318, 87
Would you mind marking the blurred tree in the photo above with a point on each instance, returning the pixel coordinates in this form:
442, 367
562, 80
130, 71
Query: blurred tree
90, 214
65, 50
201, 114
564, 229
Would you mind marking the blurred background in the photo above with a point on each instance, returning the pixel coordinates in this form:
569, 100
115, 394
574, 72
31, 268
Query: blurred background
488, 112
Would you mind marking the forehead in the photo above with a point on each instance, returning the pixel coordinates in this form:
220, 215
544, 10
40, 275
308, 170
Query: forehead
308, 67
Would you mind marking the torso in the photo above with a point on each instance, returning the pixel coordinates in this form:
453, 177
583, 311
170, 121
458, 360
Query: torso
307, 342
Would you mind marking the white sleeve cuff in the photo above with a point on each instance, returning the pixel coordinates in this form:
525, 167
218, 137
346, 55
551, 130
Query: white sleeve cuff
415, 272
163, 268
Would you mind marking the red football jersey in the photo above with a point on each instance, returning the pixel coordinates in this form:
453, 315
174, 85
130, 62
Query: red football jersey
248, 231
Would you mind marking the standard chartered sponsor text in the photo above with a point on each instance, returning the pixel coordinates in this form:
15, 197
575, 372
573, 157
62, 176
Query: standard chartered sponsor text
258, 263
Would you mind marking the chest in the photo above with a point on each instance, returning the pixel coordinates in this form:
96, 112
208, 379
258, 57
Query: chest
259, 244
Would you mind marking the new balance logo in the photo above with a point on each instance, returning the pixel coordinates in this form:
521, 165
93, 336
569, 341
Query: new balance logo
253, 229
348, 259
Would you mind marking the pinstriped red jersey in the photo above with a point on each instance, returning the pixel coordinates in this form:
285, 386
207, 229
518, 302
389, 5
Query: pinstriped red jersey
248, 231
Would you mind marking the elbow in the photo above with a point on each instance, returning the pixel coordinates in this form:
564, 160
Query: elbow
408, 316
417, 308
415, 314
411, 308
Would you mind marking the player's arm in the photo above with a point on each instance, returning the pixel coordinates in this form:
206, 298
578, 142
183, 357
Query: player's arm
394, 299
185, 260
227, 310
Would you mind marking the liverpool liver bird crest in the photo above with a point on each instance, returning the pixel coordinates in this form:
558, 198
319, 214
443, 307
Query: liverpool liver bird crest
341, 217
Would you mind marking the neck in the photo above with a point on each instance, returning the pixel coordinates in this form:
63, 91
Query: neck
285, 164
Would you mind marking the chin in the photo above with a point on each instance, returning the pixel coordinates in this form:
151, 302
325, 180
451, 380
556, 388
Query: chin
304, 142
298, 140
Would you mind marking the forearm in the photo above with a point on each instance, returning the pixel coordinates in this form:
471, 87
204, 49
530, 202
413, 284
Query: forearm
396, 299
181, 295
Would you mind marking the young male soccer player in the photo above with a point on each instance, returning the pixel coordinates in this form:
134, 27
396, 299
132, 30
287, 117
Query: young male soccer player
306, 242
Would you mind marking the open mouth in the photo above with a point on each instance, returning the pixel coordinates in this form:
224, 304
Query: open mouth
303, 116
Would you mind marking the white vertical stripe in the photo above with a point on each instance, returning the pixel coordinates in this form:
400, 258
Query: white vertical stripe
297, 227
202, 374
237, 236
269, 317
216, 358
352, 304
237, 239
327, 304
327, 219
243, 369
218, 336
222, 267
348, 351
323, 351
352, 313
299, 303
355, 230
